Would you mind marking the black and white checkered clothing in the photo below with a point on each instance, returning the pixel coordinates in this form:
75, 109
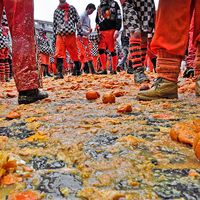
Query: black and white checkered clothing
62, 27
43, 45
94, 37
52, 59
139, 15
94, 49
4, 41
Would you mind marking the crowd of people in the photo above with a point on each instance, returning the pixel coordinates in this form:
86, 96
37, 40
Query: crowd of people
135, 38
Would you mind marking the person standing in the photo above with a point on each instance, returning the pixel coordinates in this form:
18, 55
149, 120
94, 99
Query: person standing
65, 24
4, 54
83, 42
109, 22
44, 50
170, 42
138, 16
21, 23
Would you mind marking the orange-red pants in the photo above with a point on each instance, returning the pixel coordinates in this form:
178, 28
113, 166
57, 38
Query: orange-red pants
172, 27
21, 22
4, 53
171, 34
44, 59
66, 42
84, 47
4, 65
107, 40
191, 48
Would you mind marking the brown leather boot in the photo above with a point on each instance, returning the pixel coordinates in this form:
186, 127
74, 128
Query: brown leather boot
162, 88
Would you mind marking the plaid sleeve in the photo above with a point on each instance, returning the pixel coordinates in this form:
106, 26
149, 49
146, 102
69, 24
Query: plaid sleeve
77, 21
55, 23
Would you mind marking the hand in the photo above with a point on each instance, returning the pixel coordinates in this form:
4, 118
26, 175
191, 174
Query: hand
116, 34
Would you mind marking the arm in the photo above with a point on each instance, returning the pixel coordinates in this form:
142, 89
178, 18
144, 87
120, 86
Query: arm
118, 17
54, 27
77, 21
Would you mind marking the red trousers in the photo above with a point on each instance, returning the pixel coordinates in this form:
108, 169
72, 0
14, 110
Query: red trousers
191, 48
107, 41
172, 27
44, 59
21, 23
84, 47
171, 35
66, 42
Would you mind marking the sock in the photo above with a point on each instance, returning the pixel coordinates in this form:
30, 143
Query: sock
135, 52
103, 59
114, 63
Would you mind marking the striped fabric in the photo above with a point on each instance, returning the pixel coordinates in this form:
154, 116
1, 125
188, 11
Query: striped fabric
135, 52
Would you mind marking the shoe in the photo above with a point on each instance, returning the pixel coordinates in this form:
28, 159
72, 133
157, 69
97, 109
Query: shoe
86, 68
130, 71
104, 72
91, 67
197, 87
59, 67
30, 96
113, 72
77, 69
59, 76
140, 76
162, 88
118, 69
188, 73
49, 75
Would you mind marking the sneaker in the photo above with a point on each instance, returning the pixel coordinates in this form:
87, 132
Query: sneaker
162, 88
140, 76
30, 96
59, 76
197, 87
104, 72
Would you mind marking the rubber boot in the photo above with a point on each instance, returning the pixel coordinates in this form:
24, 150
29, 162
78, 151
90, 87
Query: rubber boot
59, 66
86, 68
76, 69
91, 67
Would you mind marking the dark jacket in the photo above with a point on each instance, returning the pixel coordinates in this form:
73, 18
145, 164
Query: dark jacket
109, 16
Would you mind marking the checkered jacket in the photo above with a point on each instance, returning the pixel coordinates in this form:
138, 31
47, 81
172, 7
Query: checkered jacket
43, 45
4, 40
62, 27
114, 21
138, 15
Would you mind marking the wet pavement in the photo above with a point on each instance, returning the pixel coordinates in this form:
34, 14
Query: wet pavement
80, 149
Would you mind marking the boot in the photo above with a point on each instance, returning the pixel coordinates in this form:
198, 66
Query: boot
130, 69
76, 69
59, 66
86, 68
104, 72
162, 88
91, 67
47, 71
197, 87
30, 96
140, 76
